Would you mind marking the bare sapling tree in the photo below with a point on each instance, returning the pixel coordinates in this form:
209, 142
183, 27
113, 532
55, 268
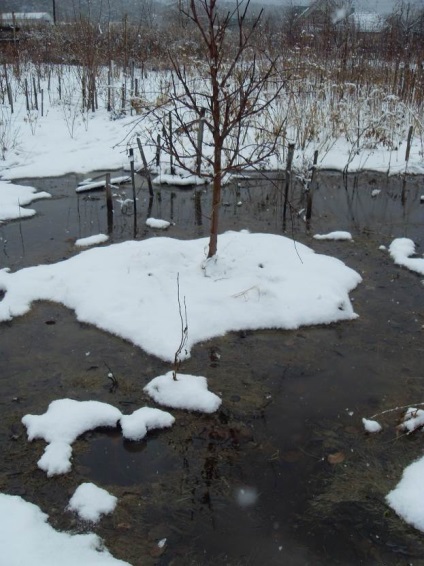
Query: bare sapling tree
184, 332
223, 87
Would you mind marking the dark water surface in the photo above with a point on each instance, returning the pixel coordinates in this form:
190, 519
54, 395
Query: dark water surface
252, 484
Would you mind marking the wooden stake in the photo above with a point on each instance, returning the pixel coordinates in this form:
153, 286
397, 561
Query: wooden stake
408, 143
8, 88
171, 146
26, 95
109, 205
288, 177
158, 151
311, 187
198, 208
123, 97
146, 167
35, 93
133, 190
200, 141
109, 86
10, 97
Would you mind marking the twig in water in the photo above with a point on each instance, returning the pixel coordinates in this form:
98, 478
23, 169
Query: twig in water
395, 409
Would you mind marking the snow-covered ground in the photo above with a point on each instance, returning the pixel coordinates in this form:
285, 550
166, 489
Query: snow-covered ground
256, 281
371, 133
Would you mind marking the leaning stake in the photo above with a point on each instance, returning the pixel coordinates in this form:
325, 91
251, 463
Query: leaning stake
145, 166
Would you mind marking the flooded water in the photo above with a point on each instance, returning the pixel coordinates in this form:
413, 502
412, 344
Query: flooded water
283, 473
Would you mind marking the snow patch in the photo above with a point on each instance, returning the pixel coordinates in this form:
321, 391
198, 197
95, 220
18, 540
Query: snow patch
256, 281
66, 419
27, 539
401, 249
179, 181
14, 197
60, 426
157, 223
407, 498
92, 240
337, 235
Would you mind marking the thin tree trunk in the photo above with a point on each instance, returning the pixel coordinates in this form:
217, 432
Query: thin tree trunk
216, 202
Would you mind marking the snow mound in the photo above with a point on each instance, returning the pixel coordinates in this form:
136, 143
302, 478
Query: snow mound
135, 426
60, 426
371, 425
91, 502
188, 392
66, 419
157, 223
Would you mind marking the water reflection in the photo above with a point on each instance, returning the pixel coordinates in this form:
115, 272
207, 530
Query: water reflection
110, 459
362, 204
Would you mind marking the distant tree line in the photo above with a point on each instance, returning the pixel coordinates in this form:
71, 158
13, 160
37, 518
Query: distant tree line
144, 32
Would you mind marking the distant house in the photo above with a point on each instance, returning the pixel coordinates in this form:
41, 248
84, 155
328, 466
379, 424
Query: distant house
367, 22
322, 13
8, 33
25, 19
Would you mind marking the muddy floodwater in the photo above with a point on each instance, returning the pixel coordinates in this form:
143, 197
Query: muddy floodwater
283, 473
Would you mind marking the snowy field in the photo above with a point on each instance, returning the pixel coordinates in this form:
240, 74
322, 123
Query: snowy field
369, 130
256, 281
